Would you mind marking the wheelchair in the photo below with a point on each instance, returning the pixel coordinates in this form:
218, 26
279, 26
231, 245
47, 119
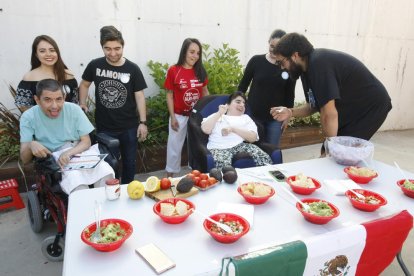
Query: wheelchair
199, 157
47, 202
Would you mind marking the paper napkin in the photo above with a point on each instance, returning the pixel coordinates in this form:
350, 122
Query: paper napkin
340, 186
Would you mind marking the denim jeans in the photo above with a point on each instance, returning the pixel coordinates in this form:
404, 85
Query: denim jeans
273, 131
128, 143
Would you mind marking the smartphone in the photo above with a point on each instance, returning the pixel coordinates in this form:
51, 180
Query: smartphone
157, 259
277, 175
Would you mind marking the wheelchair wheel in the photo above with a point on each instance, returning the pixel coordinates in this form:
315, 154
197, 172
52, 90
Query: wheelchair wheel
51, 252
35, 212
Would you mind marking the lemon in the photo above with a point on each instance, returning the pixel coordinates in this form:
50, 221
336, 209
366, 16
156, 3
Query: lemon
135, 189
152, 184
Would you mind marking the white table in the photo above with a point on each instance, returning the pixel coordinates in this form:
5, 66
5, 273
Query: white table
191, 247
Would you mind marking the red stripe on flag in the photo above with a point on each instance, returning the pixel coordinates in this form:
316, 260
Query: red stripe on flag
385, 238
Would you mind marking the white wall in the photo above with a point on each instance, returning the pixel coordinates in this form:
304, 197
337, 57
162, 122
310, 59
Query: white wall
378, 32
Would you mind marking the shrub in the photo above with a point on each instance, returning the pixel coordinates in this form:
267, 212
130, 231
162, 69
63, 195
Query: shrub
312, 120
9, 135
224, 73
223, 68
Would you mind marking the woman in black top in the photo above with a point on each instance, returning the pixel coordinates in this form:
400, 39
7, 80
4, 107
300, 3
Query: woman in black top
46, 64
269, 86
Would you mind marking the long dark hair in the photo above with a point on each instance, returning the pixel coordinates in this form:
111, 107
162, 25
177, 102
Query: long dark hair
59, 67
198, 67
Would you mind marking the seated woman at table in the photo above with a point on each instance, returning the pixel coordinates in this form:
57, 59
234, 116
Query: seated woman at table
231, 131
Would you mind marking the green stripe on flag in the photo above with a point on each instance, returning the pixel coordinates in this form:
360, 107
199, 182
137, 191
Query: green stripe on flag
286, 259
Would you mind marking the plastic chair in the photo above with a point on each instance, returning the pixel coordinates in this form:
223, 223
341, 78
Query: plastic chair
199, 157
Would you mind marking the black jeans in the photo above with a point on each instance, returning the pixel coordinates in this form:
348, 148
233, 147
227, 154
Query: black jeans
128, 143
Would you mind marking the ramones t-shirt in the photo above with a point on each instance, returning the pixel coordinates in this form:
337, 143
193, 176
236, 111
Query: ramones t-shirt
116, 108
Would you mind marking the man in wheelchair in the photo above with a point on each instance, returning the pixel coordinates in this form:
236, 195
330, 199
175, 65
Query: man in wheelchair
59, 128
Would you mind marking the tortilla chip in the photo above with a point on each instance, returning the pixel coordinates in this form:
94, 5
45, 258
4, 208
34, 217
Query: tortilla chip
181, 207
261, 190
167, 209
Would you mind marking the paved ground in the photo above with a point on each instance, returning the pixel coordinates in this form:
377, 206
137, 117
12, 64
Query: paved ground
20, 252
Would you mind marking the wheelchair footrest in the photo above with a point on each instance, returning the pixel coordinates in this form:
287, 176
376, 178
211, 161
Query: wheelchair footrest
10, 188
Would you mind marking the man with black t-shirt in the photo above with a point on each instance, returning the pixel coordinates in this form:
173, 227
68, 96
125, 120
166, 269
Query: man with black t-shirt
119, 86
350, 99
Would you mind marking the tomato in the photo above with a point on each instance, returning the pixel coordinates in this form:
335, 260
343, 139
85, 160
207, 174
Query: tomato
191, 175
203, 176
196, 172
165, 183
203, 183
197, 180
212, 180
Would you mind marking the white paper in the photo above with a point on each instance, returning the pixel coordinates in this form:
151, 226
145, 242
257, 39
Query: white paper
81, 161
244, 210
340, 186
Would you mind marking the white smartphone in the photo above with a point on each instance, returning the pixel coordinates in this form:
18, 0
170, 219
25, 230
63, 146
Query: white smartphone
157, 259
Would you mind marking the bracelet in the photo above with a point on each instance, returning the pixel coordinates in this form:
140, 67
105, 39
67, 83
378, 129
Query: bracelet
143, 122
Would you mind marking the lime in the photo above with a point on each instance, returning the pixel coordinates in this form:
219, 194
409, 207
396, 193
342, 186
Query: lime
152, 184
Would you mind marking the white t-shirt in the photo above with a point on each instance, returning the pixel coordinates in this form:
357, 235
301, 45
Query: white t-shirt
217, 141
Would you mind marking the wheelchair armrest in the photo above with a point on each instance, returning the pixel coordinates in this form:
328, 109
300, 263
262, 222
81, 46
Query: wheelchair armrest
107, 140
47, 164
267, 147
273, 150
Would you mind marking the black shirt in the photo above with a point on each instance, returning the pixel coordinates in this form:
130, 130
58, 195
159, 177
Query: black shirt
334, 75
115, 88
267, 89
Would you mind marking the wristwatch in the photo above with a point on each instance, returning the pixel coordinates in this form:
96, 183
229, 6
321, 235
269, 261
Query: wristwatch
143, 122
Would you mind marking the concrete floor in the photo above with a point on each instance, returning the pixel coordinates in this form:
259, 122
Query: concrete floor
20, 250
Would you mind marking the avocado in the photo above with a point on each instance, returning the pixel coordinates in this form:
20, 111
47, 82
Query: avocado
230, 177
216, 173
227, 168
185, 184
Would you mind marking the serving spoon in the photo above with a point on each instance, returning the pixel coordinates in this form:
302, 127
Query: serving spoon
402, 172
304, 205
223, 226
357, 194
96, 236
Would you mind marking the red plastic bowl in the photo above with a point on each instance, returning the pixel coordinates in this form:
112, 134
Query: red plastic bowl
256, 199
173, 219
228, 238
314, 218
106, 247
357, 178
407, 192
362, 205
302, 190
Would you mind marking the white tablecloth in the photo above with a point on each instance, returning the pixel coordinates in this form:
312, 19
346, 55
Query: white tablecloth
191, 247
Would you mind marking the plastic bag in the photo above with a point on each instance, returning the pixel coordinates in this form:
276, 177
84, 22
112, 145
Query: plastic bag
349, 151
